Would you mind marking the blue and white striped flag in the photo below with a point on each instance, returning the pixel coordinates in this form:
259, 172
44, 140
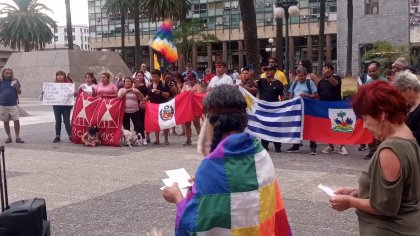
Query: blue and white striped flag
274, 121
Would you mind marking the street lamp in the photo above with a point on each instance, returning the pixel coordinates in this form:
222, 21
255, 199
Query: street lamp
286, 9
271, 48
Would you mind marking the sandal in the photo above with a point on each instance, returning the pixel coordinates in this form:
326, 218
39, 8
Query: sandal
19, 140
8, 140
156, 143
187, 144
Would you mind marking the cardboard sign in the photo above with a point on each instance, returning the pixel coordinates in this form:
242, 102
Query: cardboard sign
58, 94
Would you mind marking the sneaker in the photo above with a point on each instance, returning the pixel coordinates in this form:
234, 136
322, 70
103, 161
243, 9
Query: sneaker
56, 140
362, 147
313, 151
328, 149
292, 149
8, 140
343, 151
368, 156
70, 139
144, 142
19, 140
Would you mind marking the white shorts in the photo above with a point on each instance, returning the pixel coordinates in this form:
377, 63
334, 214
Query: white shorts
8, 113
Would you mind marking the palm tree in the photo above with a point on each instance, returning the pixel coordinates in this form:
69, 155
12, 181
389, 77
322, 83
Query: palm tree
249, 22
121, 8
349, 37
25, 25
69, 28
158, 10
321, 40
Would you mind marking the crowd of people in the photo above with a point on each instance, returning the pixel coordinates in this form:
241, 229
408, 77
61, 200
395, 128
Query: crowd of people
388, 195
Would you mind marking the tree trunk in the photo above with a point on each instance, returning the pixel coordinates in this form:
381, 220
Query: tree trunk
69, 25
321, 40
137, 49
123, 54
279, 43
349, 38
249, 22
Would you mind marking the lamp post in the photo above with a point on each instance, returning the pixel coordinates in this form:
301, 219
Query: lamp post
285, 9
271, 48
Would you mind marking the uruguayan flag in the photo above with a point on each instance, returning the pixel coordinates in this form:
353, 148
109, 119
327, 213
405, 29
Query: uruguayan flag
274, 121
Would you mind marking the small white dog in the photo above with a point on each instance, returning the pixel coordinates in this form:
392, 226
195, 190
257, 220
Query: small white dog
130, 138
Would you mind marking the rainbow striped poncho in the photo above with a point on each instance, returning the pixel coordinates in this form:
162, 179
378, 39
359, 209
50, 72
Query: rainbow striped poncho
235, 193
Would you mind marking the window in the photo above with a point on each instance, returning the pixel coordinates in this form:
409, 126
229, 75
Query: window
73, 38
73, 30
371, 7
55, 38
81, 38
55, 30
65, 38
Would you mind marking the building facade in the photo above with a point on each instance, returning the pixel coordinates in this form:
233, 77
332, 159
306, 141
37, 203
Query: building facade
80, 38
4, 55
373, 20
222, 19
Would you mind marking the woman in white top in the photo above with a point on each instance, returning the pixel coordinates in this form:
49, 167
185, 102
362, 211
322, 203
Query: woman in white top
193, 87
90, 86
133, 97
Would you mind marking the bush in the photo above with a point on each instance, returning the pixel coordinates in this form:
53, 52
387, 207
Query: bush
348, 94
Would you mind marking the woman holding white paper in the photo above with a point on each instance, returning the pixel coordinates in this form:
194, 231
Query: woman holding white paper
61, 112
235, 190
387, 200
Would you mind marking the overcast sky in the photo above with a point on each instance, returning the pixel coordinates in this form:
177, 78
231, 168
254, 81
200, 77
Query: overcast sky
79, 10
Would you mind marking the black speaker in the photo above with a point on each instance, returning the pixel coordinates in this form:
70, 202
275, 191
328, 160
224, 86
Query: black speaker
25, 218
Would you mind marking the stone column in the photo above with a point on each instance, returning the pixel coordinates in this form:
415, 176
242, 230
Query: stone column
291, 53
194, 57
328, 48
209, 56
225, 52
309, 45
241, 53
151, 61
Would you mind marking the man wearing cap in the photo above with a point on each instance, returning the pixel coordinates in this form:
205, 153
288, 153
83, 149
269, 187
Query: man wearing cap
221, 76
279, 74
399, 65
271, 90
189, 70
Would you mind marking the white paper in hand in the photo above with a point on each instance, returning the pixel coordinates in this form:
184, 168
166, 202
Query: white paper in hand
327, 190
179, 176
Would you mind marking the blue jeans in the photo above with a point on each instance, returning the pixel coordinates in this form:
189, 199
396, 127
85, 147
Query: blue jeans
62, 113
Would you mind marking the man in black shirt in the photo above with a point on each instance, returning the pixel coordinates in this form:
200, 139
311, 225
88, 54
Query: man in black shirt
329, 89
271, 90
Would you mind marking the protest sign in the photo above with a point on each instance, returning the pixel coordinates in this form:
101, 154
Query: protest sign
58, 94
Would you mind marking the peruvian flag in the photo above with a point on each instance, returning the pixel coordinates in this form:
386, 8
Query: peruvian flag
166, 115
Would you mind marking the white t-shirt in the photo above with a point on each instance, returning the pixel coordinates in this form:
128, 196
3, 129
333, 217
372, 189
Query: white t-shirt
147, 77
87, 88
216, 81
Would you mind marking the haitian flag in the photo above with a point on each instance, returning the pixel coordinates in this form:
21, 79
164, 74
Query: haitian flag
333, 123
166, 115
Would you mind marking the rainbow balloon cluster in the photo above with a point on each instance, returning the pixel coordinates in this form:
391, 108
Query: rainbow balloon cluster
163, 42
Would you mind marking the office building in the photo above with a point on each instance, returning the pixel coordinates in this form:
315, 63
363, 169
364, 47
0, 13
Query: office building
80, 38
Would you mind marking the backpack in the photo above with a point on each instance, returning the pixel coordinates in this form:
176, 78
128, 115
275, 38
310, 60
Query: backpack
363, 78
308, 85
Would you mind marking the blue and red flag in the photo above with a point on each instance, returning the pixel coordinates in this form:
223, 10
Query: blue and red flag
334, 123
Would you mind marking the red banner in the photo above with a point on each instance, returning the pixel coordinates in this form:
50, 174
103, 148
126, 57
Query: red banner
105, 113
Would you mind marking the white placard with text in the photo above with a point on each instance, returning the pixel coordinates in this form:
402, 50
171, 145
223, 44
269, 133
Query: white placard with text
58, 94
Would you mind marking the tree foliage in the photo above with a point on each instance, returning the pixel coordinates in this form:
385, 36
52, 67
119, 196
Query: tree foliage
188, 34
25, 25
158, 10
385, 53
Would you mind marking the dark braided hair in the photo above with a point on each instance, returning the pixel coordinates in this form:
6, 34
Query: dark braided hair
231, 117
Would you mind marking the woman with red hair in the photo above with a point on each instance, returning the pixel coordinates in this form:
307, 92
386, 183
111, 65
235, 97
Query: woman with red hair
388, 196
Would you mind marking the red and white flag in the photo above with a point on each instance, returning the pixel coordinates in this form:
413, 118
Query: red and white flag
169, 114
